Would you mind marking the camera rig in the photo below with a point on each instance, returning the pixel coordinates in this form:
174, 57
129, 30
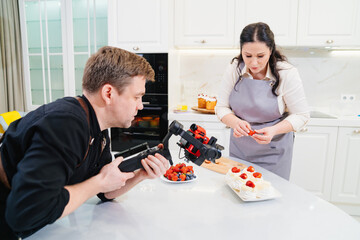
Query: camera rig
196, 144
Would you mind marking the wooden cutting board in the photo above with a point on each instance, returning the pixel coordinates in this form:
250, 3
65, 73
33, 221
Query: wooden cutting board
223, 165
203, 110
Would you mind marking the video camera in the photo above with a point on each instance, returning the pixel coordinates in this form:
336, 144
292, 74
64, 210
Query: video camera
196, 144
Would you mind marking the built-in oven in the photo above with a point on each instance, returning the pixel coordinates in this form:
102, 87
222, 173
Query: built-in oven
151, 123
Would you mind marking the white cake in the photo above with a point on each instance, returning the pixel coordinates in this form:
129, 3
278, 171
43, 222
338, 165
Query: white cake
247, 193
257, 186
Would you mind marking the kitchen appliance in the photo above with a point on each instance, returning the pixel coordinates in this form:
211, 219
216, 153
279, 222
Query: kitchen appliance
151, 123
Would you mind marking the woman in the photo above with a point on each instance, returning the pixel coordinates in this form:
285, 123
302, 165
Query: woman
261, 91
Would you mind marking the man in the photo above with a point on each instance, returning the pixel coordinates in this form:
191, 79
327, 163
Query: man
58, 156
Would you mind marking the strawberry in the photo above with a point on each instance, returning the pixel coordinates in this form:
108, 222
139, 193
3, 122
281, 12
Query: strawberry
182, 177
250, 184
252, 132
184, 170
174, 178
243, 176
257, 175
250, 169
235, 170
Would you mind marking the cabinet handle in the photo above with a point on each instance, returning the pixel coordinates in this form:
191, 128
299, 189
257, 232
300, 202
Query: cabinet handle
136, 48
330, 41
356, 131
202, 41
304, 130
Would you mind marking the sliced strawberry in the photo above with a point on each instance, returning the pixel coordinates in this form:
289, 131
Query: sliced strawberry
252, 132
243, 176
235, 170
250, 169
250, 184
257, 175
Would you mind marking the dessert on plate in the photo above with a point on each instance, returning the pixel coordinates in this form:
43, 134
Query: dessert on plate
249, 183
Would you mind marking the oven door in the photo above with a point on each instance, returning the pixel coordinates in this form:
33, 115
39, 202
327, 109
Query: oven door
150, 125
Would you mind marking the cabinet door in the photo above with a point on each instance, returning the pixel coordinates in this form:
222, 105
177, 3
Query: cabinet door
204, 23
138, 25
280, 15
313, 159
328, 23
346, 187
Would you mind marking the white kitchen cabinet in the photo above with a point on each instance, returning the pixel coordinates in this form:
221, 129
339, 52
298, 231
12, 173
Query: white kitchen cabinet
280, 15
319, 23
313, 159
222, 22
204, 23
328, 23
139, 25
346, 187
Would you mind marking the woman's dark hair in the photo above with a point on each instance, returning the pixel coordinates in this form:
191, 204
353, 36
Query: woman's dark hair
260, 32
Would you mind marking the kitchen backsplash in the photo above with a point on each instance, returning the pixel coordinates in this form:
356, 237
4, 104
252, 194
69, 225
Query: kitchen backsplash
326, 75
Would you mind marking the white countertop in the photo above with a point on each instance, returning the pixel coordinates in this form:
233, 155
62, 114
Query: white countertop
205, 209
342, 121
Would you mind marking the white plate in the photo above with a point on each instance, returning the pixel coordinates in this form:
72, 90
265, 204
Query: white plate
187, 181
276, 194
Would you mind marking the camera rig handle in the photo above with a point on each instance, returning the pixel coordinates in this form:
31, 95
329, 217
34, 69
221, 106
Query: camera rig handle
210, 151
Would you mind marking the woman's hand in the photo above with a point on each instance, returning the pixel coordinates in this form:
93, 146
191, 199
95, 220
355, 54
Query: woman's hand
154, 166
241, 128
264, 135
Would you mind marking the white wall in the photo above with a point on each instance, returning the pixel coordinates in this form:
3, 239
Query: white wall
325, 74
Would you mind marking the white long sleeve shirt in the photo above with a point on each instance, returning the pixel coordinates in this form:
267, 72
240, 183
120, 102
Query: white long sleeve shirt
291, 96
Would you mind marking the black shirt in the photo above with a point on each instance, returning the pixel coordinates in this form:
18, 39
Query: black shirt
43, 152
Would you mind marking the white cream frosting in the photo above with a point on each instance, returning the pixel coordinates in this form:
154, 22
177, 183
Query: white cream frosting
263, 189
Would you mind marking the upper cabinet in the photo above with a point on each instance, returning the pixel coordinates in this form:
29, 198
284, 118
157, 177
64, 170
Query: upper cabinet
328, 23
204, 23
221, 23
318, 23
139, 25
280, 15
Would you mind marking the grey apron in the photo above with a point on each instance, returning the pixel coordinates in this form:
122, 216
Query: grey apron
253, 101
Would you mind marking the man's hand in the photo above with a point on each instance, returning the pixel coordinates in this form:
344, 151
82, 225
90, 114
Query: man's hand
111, 176
154, 166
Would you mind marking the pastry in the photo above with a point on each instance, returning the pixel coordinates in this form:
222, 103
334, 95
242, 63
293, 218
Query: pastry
201, 101
211, 103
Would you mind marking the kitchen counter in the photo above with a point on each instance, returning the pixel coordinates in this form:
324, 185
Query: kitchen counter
341, 121
205, 209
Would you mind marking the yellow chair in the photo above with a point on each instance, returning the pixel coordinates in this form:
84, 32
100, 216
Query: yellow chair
7, 118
